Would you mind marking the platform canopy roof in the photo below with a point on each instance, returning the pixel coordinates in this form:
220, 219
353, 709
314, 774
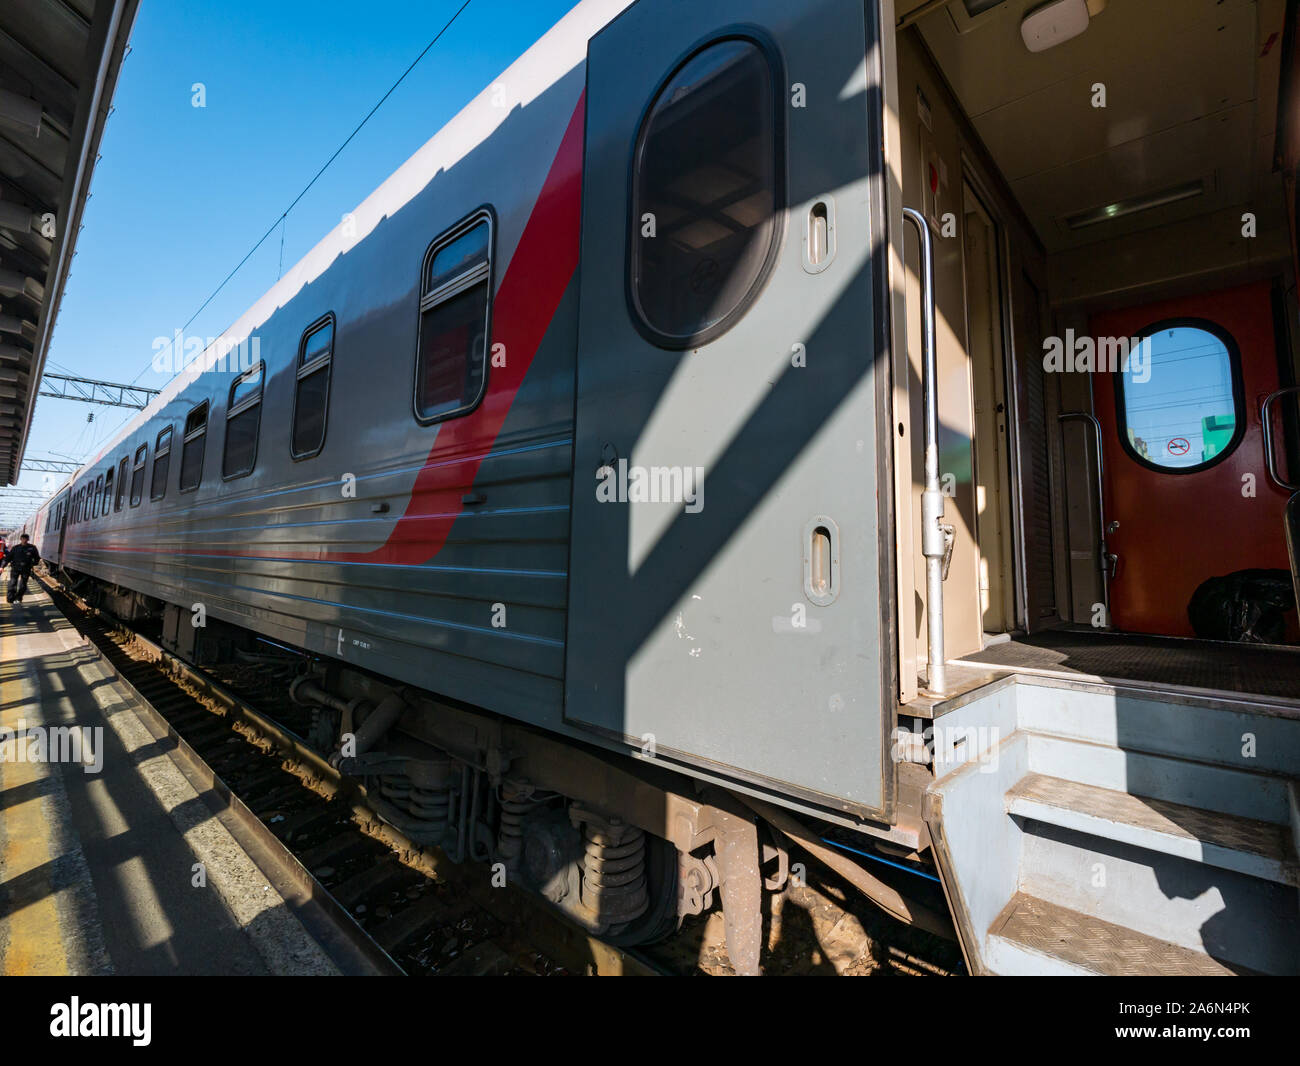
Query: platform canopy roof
59, 61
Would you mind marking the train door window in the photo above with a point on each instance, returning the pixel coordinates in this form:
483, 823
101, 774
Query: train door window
707, 195
162, 454
122, 468
193, 444
96, 494
107, 505
1180, 396
455, 321
243, 419
137, 474
312, 391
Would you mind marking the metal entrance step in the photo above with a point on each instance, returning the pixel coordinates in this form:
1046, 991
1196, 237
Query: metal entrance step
1260, 849
1033, 937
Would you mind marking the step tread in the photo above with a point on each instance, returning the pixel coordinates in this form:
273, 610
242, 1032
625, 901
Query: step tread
1096, 945
1229, 832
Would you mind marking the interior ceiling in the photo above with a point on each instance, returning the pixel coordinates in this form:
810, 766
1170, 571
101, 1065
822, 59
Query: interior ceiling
58, 59
1191, 93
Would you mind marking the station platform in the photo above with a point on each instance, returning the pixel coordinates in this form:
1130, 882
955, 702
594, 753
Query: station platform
101, 834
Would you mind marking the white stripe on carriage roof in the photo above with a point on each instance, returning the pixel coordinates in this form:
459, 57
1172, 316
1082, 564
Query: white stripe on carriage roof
554, 54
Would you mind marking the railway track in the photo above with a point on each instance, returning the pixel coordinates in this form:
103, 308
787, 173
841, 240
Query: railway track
393, 907
399, 908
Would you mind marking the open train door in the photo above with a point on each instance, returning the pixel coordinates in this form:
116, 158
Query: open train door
730, 569
61, 509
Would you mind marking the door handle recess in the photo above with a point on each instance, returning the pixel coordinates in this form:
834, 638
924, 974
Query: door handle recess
821, 560
819, 236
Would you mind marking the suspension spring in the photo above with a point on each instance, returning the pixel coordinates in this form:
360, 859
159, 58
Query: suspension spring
430, 805
613, 872
397, 789
516, 803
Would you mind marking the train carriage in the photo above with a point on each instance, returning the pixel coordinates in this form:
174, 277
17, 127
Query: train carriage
755, 424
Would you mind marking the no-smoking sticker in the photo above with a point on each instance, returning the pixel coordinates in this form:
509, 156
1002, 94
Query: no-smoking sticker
1179, 446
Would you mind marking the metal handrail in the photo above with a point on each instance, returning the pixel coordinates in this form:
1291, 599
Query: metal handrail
1269, 458
933, 535
1291, 523
1103, 556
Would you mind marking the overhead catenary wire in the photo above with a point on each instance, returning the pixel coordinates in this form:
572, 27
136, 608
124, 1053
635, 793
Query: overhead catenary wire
316, 177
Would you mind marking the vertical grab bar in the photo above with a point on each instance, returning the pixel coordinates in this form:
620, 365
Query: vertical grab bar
1266, 416
933, 538
1102, 554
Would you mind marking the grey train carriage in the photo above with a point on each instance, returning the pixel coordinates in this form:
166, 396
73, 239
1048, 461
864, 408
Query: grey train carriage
668, 469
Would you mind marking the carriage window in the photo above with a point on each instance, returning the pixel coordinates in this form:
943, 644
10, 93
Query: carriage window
97, 494
312, 391
137, 474
192, 446
454, 321
1180, 397
706, 195
162, 453
122, 468
243, 419
108, 493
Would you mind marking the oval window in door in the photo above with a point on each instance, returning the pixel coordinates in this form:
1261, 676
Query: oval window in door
707, 192
1180, 396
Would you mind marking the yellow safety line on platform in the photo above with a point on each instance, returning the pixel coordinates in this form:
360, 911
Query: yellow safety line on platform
33, 942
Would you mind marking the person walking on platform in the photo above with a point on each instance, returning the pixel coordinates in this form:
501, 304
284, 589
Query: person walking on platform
20, 559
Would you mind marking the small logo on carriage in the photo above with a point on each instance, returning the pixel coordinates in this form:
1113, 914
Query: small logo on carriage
102, 1019
651, 484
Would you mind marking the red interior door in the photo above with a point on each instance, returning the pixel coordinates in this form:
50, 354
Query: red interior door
1187, 494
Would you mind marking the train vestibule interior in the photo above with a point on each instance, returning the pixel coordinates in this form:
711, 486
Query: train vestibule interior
1112, 200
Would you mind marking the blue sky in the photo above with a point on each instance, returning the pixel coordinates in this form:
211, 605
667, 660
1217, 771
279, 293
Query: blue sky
181, 193
1190, 380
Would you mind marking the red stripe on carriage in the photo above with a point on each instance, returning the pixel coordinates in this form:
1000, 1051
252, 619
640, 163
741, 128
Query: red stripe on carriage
526, 302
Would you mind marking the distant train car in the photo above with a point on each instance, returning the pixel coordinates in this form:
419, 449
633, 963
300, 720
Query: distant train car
766, 421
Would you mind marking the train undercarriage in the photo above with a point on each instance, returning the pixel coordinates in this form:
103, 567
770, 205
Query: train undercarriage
624, 847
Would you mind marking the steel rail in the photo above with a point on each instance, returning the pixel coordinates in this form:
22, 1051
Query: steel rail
553, 934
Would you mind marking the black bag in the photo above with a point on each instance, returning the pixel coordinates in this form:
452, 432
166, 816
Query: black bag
1249, 606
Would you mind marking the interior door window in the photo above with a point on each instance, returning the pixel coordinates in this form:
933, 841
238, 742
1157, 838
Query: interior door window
1180, 397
